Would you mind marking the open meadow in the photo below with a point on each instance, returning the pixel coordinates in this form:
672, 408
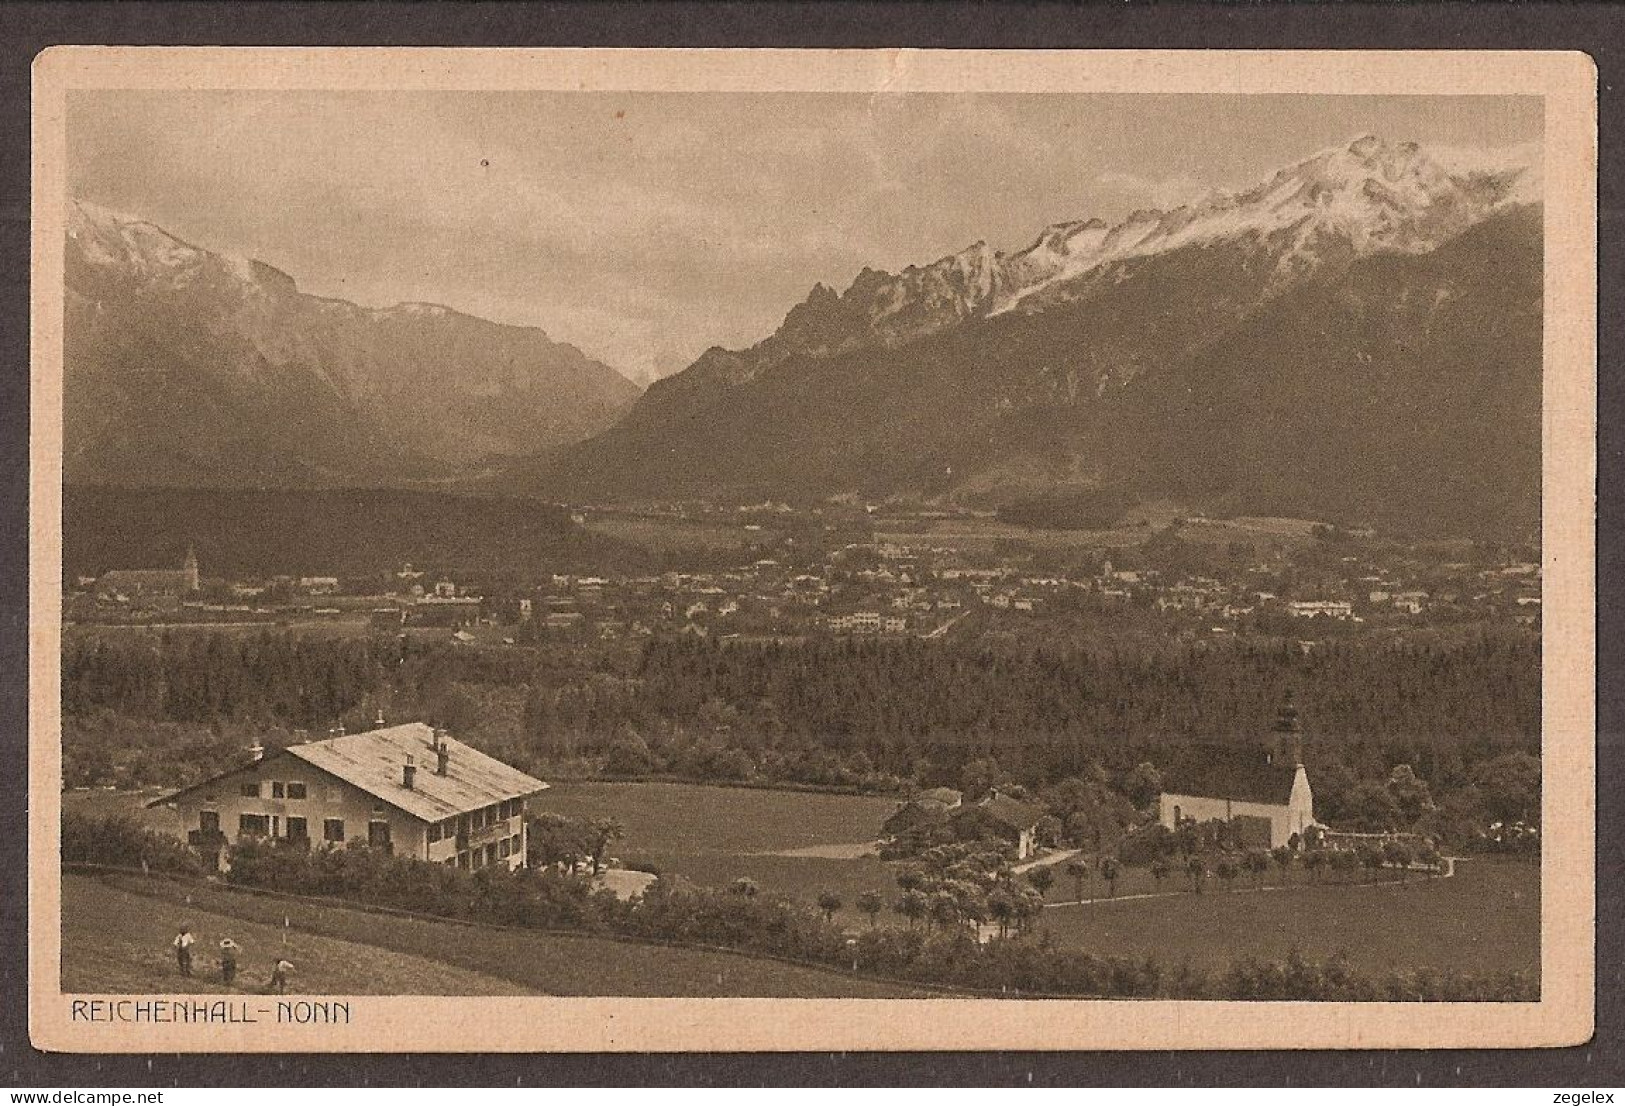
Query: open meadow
793, 842
1485, 918
117, 929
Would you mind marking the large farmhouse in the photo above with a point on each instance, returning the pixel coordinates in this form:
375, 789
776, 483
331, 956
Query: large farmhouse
410, 790
1261, 791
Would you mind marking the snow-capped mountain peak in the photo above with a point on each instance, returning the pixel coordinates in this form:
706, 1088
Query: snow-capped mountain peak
1362, 197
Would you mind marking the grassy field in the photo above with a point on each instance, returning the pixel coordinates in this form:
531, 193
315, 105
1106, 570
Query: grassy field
116, 940
714, 835
1484, 919
117, 929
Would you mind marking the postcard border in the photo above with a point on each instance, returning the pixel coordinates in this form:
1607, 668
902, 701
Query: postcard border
1564, 1015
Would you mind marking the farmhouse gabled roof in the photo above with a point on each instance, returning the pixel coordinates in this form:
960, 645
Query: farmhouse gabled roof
372, 760
1244, 775
1007, 811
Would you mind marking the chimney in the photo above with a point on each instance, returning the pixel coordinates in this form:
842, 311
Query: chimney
378, 722
257, 751
442, 753
409, 772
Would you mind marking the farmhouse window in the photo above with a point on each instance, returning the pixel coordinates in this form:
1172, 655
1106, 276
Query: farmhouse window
517, 847
297, 830
333, 829
251, 790
296, 790
208, 821
502, 849
378, 835
434, 832
277, 790
253, 825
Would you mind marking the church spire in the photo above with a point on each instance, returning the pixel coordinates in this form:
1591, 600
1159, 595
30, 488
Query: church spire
1288, 733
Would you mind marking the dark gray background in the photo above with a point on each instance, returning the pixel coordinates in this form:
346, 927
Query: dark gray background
25, 29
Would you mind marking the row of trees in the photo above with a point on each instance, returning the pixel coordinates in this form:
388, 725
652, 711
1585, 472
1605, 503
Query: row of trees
944, 953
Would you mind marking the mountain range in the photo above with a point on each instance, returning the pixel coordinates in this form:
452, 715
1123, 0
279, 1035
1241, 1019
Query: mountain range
184, 367
1357, 337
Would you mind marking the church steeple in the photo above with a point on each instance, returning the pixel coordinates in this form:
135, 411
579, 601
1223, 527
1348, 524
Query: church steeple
1288, 733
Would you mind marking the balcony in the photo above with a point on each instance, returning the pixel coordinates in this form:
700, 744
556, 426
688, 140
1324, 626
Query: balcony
474, 839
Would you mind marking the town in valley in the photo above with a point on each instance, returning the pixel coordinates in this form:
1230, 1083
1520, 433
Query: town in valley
1148, 609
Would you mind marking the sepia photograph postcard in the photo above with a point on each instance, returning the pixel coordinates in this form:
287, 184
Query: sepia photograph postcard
588, 550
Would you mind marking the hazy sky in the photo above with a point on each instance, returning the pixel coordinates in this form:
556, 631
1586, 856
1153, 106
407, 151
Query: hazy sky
645, 227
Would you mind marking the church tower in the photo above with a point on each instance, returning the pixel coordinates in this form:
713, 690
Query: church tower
189, 567
1288, 734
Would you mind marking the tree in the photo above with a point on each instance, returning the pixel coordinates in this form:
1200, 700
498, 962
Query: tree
1428, 855
1510, 786
1110, 869
1029, 907
555, 839
605, 831
1227, 871
1257, 862
979, 777
1369, 858
1344, 861
910, 879
1410, 792
1160, 869
1397, 855
944, 910
1282, 856
912, 905
1142, 785
829, 902
1313, 862
870, 905
1196, 869
1001, 907
1078, 869
1041, 878
628, 755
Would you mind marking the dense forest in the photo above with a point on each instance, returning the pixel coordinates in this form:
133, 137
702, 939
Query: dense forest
247, 534
164, 708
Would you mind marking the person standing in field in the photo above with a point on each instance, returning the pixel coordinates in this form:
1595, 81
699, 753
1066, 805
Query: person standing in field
183, 950
279, 976
228, 960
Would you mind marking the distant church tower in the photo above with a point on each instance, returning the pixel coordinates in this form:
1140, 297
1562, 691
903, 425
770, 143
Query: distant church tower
1288, 734
189, 567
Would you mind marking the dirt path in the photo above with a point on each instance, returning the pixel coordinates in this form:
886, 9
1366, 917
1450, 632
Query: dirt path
1046, 861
